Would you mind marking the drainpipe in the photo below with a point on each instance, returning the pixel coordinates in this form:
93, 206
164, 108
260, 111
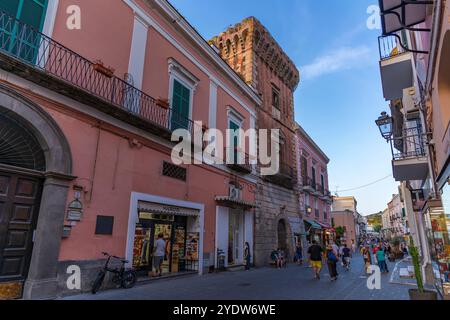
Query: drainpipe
427, 269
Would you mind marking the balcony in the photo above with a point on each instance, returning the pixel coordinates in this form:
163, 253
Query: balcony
309, 185
318, 190
397, 15
284, 178
326, 196
237, 160
32, 55
396, 66
410, 161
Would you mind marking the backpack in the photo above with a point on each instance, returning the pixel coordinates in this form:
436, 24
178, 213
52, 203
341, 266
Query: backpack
331, 256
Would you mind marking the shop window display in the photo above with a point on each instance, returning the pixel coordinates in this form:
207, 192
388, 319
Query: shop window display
439, 238
181, 246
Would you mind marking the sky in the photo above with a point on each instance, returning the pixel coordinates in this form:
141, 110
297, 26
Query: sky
339, 95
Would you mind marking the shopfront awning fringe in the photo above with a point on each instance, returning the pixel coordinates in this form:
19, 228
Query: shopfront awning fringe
234, 203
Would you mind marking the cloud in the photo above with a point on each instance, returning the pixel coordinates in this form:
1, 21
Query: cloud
343, 58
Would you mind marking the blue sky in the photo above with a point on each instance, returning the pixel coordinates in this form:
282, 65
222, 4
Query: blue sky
339, 95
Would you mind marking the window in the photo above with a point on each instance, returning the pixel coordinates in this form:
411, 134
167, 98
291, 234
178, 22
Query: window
234, 143
276, 98
17, 39
182, 85
180, 106
313, 173
304, 168
322, 183
325, 215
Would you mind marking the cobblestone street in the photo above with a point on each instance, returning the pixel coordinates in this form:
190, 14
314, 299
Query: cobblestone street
293, 283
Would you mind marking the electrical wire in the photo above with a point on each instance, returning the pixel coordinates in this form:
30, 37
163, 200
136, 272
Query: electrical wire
366, 185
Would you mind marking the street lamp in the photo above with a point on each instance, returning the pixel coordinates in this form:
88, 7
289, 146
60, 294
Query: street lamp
384, 123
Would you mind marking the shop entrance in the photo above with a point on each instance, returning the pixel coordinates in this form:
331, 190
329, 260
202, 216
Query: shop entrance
181, 253
235, 238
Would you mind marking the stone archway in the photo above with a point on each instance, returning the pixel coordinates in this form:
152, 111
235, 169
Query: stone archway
282, 234
41, 281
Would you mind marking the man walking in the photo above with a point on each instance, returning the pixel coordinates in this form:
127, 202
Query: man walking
159, 253
315, 256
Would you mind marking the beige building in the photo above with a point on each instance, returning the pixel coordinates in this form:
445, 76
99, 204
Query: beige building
344, 214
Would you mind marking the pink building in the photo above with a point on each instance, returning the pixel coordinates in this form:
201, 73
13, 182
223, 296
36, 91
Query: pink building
314, 195
88, 166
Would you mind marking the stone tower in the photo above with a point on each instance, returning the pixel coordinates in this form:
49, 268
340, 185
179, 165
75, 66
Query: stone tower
254, 54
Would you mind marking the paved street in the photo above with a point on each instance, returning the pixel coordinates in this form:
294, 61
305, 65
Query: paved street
293, 283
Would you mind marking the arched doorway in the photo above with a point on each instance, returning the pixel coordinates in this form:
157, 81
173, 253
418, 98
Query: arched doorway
20, 194
35, 171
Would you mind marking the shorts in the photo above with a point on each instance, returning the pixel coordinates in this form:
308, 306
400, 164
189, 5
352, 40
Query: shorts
316, 264
157, 261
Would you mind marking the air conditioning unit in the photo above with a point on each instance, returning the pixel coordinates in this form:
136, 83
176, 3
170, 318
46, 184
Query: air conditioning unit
235, 192
410, 103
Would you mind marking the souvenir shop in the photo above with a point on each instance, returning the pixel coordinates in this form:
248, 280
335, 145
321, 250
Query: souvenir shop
180, 229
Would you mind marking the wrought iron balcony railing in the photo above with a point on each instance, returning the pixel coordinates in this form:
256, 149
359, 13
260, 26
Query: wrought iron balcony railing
32, 47
237, 160
309, 183
410, 145
390, 46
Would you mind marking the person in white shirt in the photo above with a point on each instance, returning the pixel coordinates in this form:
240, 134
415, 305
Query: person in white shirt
159, 253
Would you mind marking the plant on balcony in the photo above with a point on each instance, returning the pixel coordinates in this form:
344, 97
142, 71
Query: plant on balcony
420, 293
100, 67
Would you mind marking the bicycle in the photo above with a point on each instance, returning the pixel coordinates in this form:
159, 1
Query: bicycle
125, 278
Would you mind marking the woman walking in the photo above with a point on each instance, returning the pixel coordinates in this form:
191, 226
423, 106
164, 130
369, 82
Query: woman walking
332, 262
247, 256
367, 258
299, 254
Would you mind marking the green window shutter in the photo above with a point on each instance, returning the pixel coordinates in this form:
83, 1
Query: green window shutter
23, 42
234, 143
181, 98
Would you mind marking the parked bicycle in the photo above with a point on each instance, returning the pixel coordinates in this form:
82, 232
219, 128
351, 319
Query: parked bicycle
125, 278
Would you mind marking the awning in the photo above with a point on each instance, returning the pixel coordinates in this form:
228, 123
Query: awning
325, 226
160, 208
234, 203
314, 224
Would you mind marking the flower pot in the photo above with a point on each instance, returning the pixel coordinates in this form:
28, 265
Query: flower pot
101, 68
162, 103
414, 294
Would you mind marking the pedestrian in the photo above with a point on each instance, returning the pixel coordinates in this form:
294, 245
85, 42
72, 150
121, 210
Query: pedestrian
158, 254
346, 255
367, 258
298, 254
374, 251
315, 258
353, 246
332, 263
405, 249
381, 258
247, 256
280, 258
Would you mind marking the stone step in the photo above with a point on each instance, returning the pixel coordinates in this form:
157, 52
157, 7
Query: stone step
235, 268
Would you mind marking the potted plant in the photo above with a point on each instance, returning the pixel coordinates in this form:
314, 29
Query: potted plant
420, 293
100, 67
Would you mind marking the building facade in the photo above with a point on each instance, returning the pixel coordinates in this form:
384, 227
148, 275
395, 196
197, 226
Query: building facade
86, 161
415, 77
314, 195
345, 214
253, 53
